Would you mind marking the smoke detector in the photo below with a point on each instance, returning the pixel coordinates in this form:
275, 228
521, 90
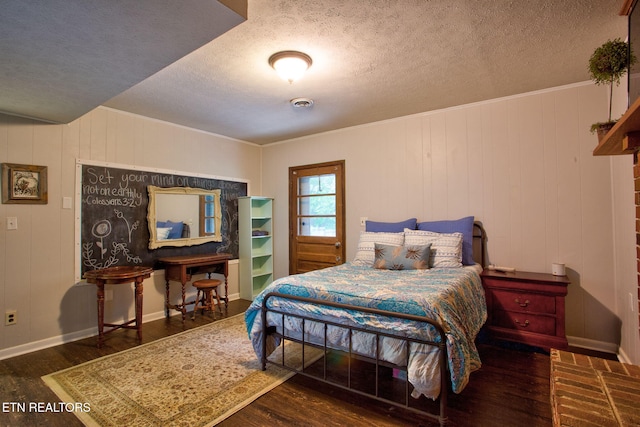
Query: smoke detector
302, 102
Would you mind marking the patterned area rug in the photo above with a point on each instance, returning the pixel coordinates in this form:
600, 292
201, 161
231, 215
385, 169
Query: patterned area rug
195, 378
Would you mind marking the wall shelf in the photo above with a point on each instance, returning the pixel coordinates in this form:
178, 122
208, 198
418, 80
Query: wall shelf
618, 140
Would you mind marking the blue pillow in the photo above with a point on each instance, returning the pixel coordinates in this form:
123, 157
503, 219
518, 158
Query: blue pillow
412, 257
390, 227
176, 229
462, 225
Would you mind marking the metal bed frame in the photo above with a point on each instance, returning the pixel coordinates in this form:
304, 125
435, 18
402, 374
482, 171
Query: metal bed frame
445, 380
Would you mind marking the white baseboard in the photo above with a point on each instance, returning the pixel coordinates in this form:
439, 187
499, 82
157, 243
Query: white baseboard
73, 336
624, 358
605, 347
78, 335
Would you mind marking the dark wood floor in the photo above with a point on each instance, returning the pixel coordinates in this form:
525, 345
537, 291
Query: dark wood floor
511, 388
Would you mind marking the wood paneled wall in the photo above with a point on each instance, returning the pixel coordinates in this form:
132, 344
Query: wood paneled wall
522, 165
37, 259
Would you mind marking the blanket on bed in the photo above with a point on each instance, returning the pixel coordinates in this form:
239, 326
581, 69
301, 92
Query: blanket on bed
452, 296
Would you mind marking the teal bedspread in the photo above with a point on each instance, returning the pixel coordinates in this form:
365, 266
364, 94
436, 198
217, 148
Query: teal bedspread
452, 296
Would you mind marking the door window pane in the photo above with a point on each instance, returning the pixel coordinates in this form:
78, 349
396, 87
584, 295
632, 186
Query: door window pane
209, 206
317, 205
323, 226
317, 184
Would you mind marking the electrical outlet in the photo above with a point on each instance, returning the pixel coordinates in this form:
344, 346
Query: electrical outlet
10, 317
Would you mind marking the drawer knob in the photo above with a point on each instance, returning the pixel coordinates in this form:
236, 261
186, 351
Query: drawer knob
522, 325
522, 304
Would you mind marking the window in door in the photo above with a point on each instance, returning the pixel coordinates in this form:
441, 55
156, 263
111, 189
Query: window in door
317, 205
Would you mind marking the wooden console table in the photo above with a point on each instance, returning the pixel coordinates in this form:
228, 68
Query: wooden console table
115, 276
181, 268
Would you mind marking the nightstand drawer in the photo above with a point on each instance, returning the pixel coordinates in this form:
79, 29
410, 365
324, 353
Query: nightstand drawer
524, 322
522, 301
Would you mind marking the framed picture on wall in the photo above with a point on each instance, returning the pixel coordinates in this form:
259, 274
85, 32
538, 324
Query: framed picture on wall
24, 184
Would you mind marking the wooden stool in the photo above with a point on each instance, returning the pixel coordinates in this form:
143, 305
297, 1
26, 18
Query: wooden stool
209, 288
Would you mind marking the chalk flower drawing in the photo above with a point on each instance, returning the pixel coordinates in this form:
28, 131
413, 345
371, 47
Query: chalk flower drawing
100, 230
122, 247
131, 227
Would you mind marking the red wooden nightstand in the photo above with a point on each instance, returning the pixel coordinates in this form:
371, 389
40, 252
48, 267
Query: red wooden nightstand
526, 307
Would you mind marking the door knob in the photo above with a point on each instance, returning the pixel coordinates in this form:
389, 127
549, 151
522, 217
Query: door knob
338, 244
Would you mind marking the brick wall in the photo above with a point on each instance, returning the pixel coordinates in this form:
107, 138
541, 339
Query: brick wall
636, 176
588, 391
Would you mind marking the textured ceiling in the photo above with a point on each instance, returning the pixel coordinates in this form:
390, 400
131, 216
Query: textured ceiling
60, 59
372, 60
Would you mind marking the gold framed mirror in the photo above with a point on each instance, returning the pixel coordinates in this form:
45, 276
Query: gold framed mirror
183, 216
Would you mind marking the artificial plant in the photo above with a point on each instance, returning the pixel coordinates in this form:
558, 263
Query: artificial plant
608, 64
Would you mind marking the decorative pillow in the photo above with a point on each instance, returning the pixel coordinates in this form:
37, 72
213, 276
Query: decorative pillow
446, 249
389, 257
462, 225
162, 233
176, 229
390, 227
366, 246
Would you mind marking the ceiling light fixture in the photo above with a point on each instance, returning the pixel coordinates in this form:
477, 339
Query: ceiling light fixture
290, 64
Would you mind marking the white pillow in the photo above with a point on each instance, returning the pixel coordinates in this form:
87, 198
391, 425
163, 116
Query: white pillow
446, 248
162, 233
365, 254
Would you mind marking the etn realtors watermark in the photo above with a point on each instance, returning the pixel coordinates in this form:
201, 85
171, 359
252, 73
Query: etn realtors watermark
45, 407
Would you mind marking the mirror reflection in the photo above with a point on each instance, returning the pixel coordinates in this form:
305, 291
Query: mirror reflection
183, 216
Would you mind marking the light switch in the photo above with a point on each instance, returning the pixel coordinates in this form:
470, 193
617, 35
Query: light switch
67, 203
12, 223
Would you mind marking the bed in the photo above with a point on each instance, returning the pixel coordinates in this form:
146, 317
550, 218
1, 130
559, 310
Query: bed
422, 321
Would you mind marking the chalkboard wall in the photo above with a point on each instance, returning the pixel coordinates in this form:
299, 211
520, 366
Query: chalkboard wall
113, 211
